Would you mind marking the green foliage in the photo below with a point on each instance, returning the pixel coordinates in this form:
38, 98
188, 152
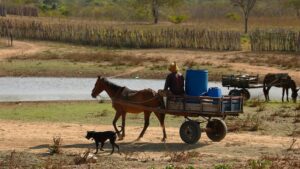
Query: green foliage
177, 19
233, 16
260, 164
222, 166
171, 166
294, 3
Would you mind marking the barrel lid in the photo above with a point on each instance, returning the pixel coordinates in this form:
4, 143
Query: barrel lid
198, 70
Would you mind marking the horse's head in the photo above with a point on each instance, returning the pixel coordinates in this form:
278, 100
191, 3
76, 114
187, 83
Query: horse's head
295, 95
98, 87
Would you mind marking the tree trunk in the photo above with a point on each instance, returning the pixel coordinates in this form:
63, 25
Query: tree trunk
155, 11
2, 10
246, 24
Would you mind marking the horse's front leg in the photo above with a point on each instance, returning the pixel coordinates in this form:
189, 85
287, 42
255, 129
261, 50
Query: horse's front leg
287, 94
161, 118
283, 91
266, 93
146, 124
117, 116
123, 124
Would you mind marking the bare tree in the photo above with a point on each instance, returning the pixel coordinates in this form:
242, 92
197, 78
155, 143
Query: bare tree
246, 6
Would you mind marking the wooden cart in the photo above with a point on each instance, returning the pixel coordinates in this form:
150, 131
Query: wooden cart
241, 84
213, 110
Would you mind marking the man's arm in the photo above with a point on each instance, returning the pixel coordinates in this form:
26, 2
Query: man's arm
167, 83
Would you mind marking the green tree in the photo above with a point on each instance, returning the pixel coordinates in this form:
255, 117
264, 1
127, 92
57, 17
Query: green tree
157, 4
295, 4
246, 7
51, 4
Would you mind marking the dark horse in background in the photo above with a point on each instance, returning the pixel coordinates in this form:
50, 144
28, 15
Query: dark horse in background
280, 80
119, 95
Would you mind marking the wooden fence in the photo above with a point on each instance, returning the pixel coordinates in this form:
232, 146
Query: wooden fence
122, 36
275, 40
22, 11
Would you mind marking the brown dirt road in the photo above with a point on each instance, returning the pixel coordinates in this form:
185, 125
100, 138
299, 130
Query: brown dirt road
21, 48
35, 137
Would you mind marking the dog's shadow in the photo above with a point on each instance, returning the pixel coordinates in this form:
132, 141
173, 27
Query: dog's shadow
137, 146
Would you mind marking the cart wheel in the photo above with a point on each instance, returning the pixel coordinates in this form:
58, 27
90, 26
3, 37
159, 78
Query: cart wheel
190, 132
234, 92
245, 93
216, 130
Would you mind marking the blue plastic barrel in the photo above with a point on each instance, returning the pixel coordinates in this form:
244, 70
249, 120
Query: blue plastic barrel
196, 82
214, 92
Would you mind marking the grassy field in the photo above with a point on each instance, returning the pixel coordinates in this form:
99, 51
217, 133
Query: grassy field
72, 112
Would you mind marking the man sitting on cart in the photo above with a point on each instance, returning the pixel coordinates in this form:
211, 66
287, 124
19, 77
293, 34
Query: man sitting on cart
174, 81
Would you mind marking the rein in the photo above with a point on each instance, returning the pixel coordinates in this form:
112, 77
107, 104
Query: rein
132, 102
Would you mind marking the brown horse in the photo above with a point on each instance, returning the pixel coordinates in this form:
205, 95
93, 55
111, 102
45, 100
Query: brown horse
280, 80
119, 95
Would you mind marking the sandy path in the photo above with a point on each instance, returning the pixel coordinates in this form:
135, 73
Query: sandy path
35, 137
21, 48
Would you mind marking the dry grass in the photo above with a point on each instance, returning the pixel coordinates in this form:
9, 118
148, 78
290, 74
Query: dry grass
182, 156
284, 61
85, 158
298, 108
286, 161
56, 147
101, 57
256, 102
251, 122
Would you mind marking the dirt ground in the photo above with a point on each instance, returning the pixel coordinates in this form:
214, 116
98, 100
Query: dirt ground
21, 48
237, 148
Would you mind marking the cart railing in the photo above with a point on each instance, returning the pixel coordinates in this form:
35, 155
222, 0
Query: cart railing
192, 106
204, 105
240, 81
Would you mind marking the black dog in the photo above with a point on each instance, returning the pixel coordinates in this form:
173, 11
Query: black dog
102, 137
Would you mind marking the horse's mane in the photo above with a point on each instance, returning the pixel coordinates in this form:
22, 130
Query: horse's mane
112, 85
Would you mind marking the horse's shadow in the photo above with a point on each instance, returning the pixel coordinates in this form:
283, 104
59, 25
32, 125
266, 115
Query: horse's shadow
136, 146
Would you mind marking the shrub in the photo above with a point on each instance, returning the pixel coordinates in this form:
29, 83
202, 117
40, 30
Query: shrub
259, 164
297, 107
233, 16
222, 166
177, 19
56, 147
